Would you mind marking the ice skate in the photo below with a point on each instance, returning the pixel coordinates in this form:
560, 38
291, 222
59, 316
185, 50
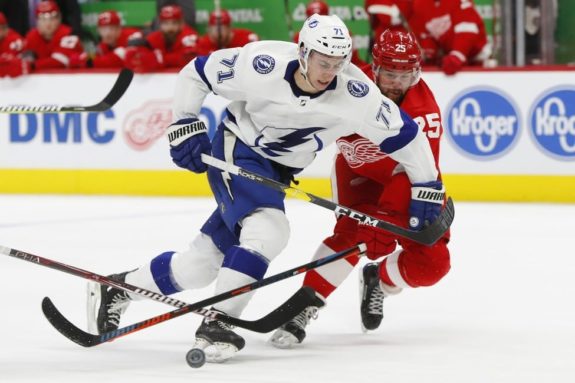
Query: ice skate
106, 305
217, 340
293, 331
371, 297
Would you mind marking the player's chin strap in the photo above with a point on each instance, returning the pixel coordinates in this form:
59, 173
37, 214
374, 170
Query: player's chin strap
303, 71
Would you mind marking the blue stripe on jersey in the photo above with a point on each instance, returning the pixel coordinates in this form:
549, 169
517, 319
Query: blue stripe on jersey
231, 117
160, 268
406, 134
246, 262
200, 63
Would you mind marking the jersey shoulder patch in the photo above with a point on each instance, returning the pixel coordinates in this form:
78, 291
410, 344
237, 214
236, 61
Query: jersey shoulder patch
357, 88
264, 64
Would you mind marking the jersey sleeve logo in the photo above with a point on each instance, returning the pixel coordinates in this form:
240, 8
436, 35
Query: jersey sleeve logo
357, 88
264, 64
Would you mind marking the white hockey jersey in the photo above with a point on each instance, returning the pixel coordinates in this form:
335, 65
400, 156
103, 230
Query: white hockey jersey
269, 113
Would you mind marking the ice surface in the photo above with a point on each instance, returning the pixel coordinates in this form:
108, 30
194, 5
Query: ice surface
504, 313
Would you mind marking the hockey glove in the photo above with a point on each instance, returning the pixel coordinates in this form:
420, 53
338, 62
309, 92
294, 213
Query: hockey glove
188, 140
452, 63
426, 202
378, 242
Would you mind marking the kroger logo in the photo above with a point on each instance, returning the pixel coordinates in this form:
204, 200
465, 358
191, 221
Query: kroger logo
483, 123
552, 123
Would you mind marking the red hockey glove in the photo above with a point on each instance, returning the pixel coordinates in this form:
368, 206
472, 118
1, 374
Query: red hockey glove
141, 60
452, 63
80, 61
15, 67
378, 241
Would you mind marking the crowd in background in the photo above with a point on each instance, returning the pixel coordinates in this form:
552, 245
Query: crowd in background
450, 33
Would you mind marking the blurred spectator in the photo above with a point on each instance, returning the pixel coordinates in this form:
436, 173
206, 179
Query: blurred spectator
111, 50
188, 9
11, 42
451, 33
321, 8
173, 46
50, 45
220, 34
22, 17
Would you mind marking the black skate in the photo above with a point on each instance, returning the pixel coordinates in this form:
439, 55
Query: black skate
293, 331
217, 340
106, 305
371, 297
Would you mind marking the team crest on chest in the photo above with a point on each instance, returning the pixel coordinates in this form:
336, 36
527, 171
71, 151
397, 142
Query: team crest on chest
359, 152
264, 64
357, 88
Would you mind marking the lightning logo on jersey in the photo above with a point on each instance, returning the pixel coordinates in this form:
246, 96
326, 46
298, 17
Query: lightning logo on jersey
290, 140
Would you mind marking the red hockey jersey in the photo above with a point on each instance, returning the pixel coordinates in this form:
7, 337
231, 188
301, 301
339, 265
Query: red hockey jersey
240, 38
113, 56
12, 44
365, 159
180, 52
441, 26
55, 53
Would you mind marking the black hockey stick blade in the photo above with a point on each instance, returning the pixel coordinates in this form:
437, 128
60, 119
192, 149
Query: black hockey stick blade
303, 298
120, 86
428, 236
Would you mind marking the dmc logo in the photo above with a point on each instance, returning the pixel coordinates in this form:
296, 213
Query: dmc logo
483, 123
552, 123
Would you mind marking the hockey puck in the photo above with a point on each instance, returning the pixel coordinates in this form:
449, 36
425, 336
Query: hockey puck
196, 358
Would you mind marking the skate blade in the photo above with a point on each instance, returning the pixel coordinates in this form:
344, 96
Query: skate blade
361, 288
283, 339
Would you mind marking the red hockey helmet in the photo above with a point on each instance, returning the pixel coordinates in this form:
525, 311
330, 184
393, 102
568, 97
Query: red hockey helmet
225, 18
317, 6
396, 49
47, 9
108, 18
171, 12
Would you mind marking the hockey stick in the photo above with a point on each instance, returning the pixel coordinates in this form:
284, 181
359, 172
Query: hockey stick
282, 314
428, 236
120, 86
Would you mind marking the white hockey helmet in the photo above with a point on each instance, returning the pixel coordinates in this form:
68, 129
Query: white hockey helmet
324, 34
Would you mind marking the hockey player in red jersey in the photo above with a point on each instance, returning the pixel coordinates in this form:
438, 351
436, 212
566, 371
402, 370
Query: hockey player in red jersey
48, 46
172, 46
221, 34
321, 8
450, 32
11, 43
111, 50
367, 180
51, 43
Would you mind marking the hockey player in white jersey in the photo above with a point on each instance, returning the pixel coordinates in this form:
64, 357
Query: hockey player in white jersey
288, 102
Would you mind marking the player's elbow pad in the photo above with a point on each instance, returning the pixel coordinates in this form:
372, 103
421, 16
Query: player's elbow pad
406, 134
